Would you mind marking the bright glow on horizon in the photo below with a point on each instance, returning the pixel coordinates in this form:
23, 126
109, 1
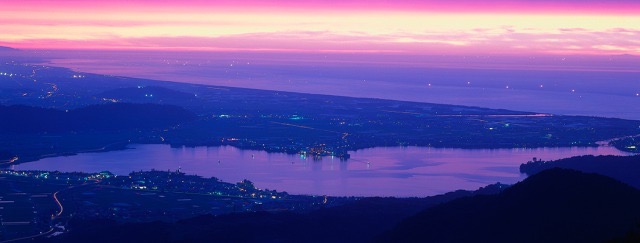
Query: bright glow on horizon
435, 27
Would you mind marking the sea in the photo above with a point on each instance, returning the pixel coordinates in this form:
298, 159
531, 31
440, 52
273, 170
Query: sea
603, 86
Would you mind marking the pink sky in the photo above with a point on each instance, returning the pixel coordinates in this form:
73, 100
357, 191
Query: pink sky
519, 27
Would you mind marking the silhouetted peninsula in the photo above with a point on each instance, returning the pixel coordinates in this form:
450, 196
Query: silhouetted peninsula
623, 168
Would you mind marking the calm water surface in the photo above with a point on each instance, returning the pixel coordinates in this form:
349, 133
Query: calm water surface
393, 171
575, 86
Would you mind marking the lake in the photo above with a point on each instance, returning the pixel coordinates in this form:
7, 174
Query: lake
385, 171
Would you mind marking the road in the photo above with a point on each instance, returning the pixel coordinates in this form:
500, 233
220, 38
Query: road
58, 214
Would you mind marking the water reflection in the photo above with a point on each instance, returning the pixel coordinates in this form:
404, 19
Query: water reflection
393, 171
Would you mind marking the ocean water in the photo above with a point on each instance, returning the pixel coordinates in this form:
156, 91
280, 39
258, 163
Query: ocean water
592, 86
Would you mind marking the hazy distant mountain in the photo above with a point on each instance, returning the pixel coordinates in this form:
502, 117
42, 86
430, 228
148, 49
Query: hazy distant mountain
11, 55
7, 49
555, 205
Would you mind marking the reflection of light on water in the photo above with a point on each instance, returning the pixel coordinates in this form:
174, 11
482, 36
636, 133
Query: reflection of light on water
398, 171
611, 81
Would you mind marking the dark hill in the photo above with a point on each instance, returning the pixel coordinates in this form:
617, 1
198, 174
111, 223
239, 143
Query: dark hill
117, 116
555, 205
622, 168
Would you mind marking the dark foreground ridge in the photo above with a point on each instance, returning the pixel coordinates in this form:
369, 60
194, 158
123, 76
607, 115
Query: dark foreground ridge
556, 205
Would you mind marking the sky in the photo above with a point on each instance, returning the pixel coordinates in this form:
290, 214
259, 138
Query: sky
489, 27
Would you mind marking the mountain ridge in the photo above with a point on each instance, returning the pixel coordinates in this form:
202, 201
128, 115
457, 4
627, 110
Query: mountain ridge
556, 205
